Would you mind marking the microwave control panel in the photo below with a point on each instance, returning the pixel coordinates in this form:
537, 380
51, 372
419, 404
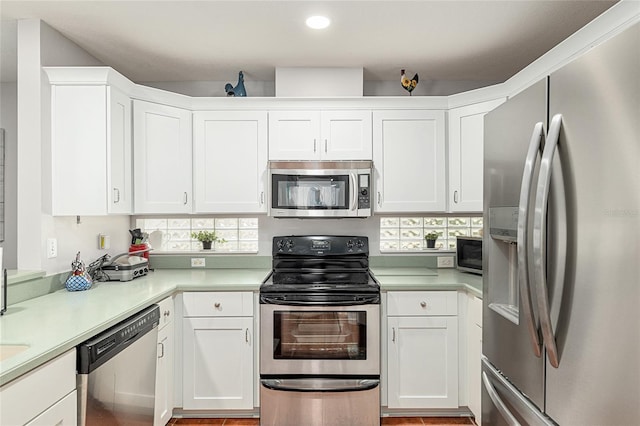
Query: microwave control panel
364, 191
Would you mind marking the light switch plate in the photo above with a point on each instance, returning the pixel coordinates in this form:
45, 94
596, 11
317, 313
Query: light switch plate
198, 262
52, 248
445, 262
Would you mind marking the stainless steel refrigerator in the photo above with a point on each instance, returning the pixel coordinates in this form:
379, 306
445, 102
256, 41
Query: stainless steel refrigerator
561, 330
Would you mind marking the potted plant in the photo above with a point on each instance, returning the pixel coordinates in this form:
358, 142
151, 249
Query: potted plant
431, 238
207, 237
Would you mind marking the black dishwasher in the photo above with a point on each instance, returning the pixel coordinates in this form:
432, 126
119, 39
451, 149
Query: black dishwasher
116, 372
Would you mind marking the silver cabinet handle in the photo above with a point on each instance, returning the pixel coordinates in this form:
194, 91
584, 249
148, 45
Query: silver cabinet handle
216, 305
393, 334
161, 350
185, 199
314, 145
325, 146
116, 195
262, 197
455, 197
537, 139
497, 401
423, 304
379, 198
539, 228
246, 335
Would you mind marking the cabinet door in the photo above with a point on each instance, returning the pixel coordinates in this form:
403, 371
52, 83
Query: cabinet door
346, 135
78, 150
409, 161
466, 145
474, 342
164, 376
218, 363
422, 362
161, 158
120, 188
62, 413
230, 161
294, 135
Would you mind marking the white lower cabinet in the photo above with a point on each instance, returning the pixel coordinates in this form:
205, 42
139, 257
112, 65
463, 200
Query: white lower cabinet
474, 342
422, 350
44, 396
164, 364
218, 359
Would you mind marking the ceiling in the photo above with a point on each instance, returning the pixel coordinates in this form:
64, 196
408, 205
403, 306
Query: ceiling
211, 40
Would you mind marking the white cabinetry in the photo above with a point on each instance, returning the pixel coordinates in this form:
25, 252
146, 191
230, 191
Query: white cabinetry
218, 350
422, 349
162, 158
320, 135
466, 144
474, 354
409, 161
164, 365
90, 150
230, 161
44, 396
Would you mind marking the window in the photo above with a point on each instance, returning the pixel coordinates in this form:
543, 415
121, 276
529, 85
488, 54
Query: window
407, 233
240, 234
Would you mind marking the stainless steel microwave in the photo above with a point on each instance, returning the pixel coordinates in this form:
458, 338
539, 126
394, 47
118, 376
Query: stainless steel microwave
469, 254
314, 189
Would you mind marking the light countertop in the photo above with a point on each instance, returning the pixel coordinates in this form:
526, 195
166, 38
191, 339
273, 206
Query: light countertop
52, 324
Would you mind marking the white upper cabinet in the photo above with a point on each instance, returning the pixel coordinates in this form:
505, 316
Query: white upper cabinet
320, 135
466, 144
90, 150
230, 161
409, 161
162, 158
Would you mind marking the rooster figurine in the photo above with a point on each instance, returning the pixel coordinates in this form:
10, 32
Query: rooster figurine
239, 89
407, 84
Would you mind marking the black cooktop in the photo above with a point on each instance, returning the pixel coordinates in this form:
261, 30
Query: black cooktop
320, 264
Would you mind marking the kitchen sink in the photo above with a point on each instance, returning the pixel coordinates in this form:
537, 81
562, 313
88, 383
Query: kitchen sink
9, 350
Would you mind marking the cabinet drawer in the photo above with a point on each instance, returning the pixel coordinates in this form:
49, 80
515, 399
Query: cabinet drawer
31, 394
218, 304
422, 303
166, 311
475, 311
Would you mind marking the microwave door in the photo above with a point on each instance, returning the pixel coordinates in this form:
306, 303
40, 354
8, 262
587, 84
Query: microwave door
311, 193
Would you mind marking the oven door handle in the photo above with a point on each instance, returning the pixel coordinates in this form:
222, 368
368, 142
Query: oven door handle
372, 299
320, 385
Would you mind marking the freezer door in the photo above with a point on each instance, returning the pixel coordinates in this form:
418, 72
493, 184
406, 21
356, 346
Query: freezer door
507, 340
504, 405
595, 310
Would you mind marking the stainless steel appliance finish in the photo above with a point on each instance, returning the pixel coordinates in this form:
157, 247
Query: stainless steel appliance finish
469, 254
116, 372
320, 402
3, 286
317, 341
561, 330
320, 188
320, 333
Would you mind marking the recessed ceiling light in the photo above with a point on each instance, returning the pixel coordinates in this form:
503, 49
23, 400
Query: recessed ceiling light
318, 22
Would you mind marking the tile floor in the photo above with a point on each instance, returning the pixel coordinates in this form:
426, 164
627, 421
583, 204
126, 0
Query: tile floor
386, 421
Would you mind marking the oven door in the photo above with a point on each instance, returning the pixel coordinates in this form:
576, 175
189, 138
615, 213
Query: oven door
320, 340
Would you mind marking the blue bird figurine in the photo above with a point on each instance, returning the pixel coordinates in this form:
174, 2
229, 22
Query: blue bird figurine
239, 89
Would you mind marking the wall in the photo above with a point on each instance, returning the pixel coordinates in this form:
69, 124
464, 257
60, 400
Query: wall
40, 45
8, 121
371, 88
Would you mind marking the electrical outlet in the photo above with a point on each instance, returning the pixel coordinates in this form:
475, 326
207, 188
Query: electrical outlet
445, 261
198, 262
52, 248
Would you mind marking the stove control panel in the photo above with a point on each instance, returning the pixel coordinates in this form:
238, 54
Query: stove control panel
320, 245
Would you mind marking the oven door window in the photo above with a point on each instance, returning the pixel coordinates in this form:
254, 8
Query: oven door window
310, 192
320, 335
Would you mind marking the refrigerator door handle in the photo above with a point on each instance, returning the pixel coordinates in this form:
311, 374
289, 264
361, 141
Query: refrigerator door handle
497, 401
537, 139
539, 249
